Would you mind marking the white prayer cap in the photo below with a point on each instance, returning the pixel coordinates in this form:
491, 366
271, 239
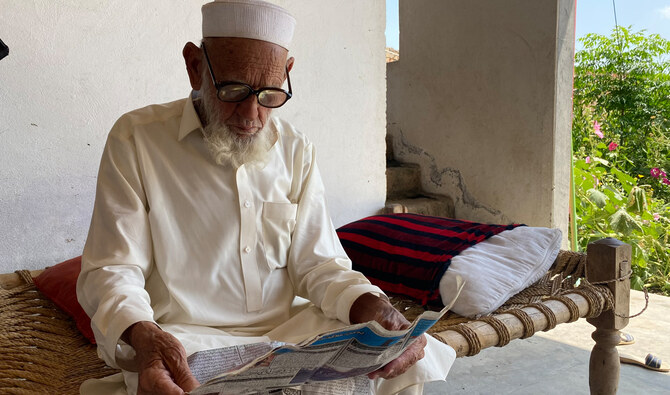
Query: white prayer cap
255, 19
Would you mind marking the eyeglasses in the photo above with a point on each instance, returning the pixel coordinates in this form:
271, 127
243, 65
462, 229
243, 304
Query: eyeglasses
235, 92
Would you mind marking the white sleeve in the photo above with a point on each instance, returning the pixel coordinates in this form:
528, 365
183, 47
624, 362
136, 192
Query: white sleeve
118, 252
318, 266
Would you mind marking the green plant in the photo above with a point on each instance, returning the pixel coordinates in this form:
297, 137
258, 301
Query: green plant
621, 146
610, 203
623, 81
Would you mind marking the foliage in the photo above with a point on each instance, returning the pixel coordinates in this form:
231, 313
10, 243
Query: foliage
623, 82
610, 203
621, 140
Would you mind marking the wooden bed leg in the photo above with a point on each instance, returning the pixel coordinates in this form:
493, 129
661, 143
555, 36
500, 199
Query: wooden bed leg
607, 260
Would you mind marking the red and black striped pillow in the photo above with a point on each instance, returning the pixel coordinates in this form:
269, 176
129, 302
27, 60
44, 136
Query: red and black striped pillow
408, 253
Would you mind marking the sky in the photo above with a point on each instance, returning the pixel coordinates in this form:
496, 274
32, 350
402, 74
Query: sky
392, 24
593, 16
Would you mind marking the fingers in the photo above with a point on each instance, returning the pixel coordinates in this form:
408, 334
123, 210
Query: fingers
369, 307
162, 363
398, 366
167, 375
177, 365
156, 379
394, 320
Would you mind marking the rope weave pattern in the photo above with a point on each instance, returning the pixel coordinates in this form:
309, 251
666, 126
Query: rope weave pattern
500, 328
595, 300
626, 277
551, 317
474, 345
570, 263
568, 270
42, 352
570, 304
526, 321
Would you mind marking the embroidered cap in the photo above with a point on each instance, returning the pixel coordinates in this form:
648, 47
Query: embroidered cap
254, 19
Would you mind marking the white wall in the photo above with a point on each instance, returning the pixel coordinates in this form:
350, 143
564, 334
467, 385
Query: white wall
76, 65
481, 98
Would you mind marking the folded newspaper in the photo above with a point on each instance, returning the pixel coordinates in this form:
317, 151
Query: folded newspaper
334, 362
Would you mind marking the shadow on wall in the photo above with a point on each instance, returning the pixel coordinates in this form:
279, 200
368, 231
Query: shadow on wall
4, 50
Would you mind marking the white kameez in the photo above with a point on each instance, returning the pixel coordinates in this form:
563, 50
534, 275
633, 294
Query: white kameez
212, 254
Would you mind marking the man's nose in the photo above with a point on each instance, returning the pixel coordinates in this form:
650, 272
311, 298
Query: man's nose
248, 108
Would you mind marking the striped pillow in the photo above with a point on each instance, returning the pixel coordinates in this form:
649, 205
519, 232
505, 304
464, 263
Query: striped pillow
408, 253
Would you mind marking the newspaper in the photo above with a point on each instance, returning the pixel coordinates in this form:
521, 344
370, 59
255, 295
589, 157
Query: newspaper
334, 362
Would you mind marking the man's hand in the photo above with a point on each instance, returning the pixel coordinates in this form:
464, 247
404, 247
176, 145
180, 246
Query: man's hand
369, 307
161, 360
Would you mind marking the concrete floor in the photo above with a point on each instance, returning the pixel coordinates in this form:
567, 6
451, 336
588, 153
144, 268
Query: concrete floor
557, 362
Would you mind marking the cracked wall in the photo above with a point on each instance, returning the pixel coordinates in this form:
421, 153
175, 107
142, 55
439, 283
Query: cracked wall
481, 100
446, 178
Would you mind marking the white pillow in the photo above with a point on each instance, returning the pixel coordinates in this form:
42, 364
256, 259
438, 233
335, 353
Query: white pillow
498, 268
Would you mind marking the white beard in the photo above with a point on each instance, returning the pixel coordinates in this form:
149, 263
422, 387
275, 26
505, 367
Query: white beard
224, 145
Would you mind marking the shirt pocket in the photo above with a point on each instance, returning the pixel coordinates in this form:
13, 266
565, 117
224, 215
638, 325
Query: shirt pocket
278, 225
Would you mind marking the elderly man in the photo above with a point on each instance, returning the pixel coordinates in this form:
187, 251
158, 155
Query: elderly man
210, 226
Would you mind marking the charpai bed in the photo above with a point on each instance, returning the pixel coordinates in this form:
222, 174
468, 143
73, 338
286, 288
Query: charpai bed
44, 352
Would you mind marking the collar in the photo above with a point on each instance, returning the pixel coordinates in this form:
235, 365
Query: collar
190, 121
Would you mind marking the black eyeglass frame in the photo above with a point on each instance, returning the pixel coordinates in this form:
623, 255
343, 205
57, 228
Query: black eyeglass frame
250, 90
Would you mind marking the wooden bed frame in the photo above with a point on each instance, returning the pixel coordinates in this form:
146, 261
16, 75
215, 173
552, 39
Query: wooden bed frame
41, 351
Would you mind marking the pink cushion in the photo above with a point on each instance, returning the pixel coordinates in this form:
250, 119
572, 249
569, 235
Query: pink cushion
59, 284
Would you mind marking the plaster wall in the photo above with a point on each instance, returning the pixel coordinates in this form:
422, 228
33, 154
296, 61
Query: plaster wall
75, 66
481, 98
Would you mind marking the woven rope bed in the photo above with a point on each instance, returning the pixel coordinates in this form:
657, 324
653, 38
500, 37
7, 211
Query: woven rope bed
43, 352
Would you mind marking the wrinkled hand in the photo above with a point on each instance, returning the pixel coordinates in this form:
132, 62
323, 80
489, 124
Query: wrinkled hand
161, 360
369, 307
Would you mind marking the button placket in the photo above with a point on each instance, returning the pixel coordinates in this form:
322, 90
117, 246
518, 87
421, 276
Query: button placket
248, 232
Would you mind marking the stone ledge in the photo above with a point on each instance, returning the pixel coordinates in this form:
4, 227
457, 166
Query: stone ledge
434, 205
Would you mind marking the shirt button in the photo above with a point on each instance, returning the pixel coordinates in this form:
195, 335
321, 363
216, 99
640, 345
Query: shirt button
247, 204
247, 249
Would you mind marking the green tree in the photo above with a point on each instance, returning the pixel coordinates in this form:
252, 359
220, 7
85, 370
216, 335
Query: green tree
623, 83
621, 141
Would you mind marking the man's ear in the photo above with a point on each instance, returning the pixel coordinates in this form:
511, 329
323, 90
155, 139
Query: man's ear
289, 63
194, 62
